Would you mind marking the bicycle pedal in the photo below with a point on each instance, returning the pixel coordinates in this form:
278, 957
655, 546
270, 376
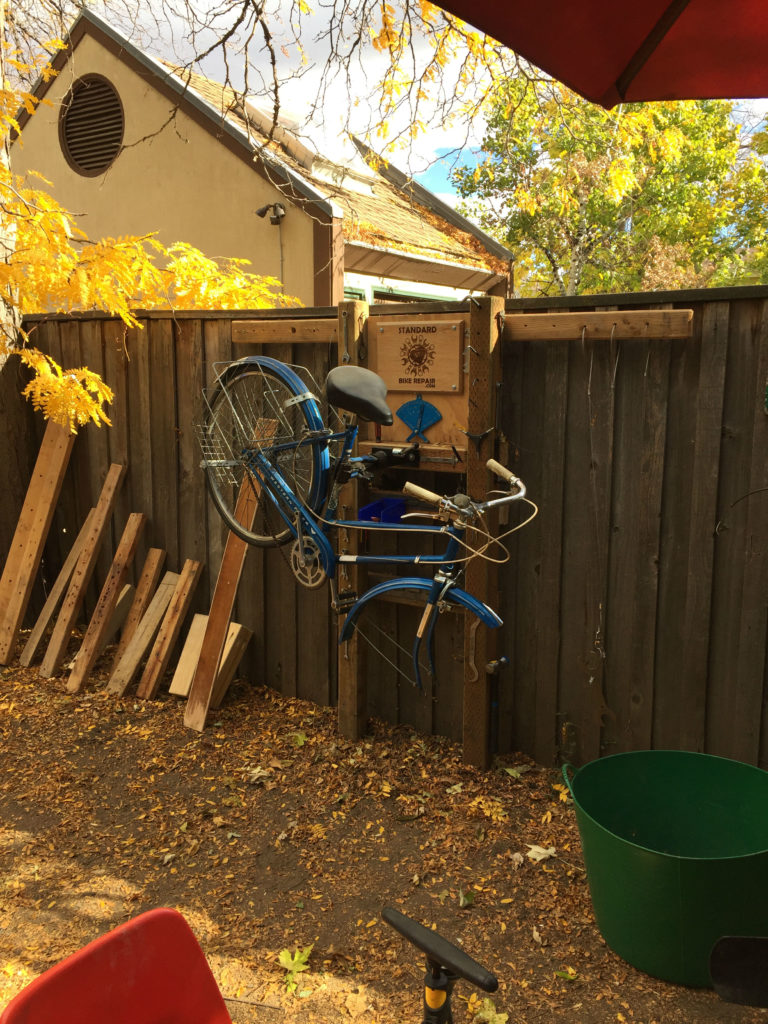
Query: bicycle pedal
344, 600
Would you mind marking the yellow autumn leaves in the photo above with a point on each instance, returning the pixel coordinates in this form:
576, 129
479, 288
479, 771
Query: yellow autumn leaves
47, 264
429, 52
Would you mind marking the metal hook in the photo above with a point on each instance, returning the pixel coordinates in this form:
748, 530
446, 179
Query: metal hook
467, 350
345, 358
616, 364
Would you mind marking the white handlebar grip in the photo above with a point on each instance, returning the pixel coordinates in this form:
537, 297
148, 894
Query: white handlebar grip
421, 492
499, 470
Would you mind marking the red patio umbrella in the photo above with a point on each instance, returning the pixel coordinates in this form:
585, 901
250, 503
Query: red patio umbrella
626, 50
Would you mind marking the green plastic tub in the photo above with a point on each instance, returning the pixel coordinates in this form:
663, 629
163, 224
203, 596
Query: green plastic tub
676, 851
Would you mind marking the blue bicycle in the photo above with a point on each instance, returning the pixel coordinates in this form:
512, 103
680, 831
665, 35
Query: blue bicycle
274, 468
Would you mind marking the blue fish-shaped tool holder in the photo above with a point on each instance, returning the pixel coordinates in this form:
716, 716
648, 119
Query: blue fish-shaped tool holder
419, 416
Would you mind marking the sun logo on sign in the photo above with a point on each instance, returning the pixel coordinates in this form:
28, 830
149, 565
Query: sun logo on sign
417, 356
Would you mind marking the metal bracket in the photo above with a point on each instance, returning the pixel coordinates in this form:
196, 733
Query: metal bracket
342, 601
472, 674
493, 667
305, 396
345, 358
477, 439
467, 350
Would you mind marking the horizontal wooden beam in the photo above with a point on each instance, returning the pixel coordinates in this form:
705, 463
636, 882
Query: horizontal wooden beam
442, 458
280, 332
602, 326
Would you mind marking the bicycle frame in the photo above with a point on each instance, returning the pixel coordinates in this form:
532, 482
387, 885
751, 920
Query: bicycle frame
440, 589
318, 526
308, 516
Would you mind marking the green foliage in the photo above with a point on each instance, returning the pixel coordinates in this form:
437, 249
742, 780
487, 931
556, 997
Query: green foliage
48, 265
293, 964
646, 196
488, 1014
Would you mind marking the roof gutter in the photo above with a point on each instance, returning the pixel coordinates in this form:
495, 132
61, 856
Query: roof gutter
381, 261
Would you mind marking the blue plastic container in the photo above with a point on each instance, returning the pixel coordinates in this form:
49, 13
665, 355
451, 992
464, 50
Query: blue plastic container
386, 510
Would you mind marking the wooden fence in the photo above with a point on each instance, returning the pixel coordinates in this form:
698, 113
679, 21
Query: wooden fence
635, 605
638, 602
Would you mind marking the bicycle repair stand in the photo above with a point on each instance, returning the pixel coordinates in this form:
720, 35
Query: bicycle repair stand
446, 963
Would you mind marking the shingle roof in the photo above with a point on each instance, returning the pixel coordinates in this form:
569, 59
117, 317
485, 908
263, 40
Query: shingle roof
376, 211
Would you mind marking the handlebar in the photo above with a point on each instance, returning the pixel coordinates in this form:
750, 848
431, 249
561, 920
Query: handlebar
421, 492
441, 954
460, 502
502, 471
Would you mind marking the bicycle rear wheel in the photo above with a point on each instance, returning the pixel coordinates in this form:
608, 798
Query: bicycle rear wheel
262, 406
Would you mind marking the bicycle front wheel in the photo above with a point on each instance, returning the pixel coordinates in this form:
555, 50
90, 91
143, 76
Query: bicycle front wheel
261, 405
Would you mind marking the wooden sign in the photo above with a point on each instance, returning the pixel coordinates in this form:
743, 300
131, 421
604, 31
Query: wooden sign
421, 355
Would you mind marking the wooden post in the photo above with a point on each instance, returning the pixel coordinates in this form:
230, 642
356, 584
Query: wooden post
160, 655
92, 643
70, 608
222, 603
483, 365
31, 531
56, 594
144, 636
237, 640
148, 581
118, 617
353, 702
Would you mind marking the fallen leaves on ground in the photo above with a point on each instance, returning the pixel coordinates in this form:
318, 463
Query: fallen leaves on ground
270, 832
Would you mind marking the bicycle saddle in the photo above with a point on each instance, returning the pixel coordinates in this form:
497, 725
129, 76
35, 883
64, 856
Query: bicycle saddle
360, 391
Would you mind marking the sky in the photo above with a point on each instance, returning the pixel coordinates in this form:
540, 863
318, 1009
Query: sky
430, 156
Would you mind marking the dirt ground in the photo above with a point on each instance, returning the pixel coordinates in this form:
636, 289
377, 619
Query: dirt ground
270, 833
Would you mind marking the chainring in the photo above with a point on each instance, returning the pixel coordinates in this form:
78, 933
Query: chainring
306, 563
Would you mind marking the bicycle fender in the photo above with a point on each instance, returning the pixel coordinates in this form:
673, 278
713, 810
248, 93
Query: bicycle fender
291, 379
314, 420
455, 595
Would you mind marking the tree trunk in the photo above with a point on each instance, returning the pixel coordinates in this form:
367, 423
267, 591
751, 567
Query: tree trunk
10, 321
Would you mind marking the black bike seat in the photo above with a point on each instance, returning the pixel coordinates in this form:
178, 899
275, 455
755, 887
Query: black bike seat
361, 391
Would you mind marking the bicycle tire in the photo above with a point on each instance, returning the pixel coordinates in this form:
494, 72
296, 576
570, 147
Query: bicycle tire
255, 407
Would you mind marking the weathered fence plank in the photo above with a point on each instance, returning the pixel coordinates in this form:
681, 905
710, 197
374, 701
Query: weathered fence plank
189, 403
737, 654
162, 424
588, 474
534, 420
140, 440
630, 617
117, 435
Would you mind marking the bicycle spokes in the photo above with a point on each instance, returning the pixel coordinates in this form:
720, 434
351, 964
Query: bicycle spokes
392, 652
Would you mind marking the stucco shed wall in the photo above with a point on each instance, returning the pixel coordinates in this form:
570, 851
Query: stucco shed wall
174, 178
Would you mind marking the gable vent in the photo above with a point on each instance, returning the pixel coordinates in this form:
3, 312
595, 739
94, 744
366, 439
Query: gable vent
91, 125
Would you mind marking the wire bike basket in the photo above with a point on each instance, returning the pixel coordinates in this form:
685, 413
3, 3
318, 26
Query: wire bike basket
222, 449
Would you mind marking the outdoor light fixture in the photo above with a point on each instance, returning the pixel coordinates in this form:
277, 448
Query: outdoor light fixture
278, 212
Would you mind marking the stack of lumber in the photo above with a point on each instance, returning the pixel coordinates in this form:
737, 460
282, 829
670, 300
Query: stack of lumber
150, 617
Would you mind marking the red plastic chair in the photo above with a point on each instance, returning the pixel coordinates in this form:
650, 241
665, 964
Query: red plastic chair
150, 970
